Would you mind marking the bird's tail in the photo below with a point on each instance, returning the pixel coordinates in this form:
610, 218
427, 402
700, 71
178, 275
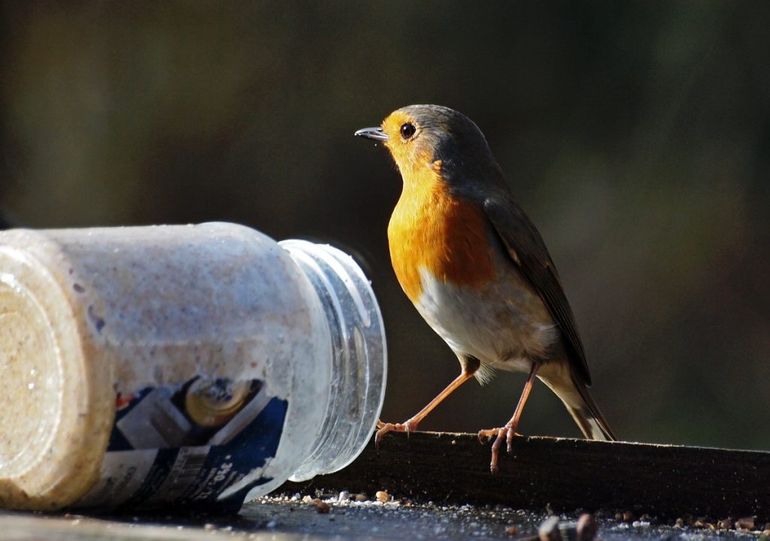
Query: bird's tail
581, 406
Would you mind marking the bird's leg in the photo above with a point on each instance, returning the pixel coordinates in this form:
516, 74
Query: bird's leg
507, 432
411, 424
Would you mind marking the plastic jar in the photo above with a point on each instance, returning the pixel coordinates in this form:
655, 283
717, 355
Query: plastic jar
195, 365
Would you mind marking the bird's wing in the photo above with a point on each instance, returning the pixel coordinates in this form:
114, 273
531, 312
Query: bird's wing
528, 251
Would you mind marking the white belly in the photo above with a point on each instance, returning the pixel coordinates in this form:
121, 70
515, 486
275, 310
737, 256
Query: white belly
505, 324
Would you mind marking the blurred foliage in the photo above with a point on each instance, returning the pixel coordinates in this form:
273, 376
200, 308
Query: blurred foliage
637, 135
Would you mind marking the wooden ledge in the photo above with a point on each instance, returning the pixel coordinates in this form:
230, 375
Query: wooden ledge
666, 481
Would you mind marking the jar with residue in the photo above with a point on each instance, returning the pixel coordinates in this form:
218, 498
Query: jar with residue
194, 365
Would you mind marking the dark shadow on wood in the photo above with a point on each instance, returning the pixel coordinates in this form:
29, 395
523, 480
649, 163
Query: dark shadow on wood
666, 481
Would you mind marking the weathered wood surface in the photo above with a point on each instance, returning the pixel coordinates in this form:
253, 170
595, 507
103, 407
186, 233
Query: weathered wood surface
567, 474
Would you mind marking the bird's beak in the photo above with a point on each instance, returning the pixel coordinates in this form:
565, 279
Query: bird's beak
375, 133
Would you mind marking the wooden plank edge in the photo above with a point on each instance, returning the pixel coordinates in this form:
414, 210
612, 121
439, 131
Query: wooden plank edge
666, 481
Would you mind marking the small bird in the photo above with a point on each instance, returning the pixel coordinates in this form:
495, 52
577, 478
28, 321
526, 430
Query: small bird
477, 270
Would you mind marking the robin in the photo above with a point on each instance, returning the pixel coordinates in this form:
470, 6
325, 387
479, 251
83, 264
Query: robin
477, 270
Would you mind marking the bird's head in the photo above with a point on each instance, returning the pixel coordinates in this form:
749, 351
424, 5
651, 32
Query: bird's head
436, 137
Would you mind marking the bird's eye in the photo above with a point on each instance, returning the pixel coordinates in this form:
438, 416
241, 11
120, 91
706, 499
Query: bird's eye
407, 130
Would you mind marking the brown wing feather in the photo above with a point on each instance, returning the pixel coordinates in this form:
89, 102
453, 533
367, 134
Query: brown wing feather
528, 251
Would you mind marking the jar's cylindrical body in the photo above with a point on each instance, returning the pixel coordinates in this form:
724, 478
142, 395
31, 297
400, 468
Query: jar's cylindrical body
154, 364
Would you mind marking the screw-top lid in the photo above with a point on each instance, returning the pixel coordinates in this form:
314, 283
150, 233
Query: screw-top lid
359, 364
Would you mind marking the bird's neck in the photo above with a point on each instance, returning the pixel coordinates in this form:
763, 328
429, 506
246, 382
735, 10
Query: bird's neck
432, 230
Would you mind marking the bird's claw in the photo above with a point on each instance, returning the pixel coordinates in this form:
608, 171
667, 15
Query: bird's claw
384, 428
505, 433
487, 434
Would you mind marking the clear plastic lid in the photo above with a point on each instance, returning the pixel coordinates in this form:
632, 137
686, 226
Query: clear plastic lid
359, 363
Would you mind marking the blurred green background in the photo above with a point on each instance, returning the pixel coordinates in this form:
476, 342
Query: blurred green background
636, 134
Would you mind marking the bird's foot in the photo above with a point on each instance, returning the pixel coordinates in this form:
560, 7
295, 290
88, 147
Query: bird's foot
384, 428
502, 434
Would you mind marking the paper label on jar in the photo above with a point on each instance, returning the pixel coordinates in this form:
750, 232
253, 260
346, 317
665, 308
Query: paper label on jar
186, 444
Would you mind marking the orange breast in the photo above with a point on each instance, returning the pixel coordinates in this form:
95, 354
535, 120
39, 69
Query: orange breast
448, 237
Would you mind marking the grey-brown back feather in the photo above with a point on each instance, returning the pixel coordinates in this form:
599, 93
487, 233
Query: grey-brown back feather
527, 250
